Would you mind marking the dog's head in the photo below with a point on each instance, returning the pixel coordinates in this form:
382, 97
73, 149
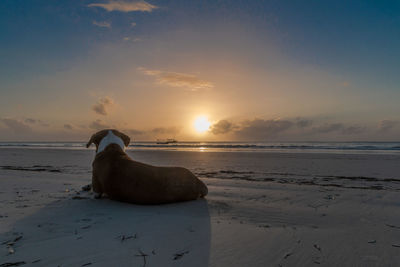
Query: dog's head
97, 137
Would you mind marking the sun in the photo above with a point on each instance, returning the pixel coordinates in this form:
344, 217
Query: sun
201, 124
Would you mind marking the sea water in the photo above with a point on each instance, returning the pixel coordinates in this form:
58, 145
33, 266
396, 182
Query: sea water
372, 165
303, 147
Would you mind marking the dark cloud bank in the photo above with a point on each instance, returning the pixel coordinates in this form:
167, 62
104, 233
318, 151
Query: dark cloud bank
260, 129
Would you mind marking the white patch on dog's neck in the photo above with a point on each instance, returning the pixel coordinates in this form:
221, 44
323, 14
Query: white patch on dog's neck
110, 138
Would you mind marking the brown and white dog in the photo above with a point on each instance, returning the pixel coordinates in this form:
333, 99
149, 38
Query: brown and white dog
123, 179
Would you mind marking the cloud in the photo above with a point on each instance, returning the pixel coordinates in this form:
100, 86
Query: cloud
103, 24
125, 6
387, 125
338, 127
328, 128
134, 132
257, 129
166, 130
353, 130
261, 129
134, 40
103, 105
153, 133
68, 126
175, 79
30, 120
98, 125
222, 127
36, 122
16, 125
303, 123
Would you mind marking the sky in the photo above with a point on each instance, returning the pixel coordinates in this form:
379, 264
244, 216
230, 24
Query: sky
256, 70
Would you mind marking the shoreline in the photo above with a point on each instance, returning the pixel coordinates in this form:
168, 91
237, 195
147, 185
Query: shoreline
358, 148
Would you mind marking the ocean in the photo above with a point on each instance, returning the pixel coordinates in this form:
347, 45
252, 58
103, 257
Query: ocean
363, 165
302, 147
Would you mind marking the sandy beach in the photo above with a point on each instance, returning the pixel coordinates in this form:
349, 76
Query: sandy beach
309, 210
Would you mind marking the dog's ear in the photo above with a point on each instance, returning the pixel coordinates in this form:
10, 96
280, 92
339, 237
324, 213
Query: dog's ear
96, 138
90, 141
125, 138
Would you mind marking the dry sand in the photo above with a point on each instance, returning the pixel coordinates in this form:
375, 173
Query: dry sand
47, 220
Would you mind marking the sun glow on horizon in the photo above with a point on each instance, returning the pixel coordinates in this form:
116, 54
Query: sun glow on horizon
201, 124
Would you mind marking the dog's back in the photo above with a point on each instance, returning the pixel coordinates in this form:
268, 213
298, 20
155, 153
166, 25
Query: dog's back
121, 178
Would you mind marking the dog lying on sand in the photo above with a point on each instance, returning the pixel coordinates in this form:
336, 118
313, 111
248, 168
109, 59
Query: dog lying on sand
121, 178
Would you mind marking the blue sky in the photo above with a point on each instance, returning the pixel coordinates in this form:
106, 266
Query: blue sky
159, 64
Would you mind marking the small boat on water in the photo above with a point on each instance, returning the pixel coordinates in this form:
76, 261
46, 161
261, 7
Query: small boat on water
166, 141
